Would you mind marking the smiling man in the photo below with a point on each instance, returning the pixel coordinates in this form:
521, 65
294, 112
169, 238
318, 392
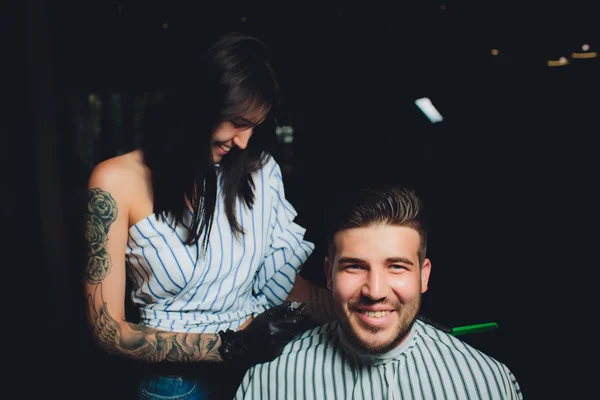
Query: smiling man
377, 271
376, 277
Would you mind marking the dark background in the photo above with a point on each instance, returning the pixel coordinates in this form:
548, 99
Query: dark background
509, 176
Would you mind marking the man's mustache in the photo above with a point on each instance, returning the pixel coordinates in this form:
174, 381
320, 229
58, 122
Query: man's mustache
365, 301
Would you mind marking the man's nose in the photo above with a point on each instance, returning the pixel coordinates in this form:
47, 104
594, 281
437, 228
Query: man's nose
376, 287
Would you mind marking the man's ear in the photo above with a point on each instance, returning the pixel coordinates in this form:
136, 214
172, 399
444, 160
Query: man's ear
328, 269
425, 271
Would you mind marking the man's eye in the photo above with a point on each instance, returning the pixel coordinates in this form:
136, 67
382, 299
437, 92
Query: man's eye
397, 267
353, 266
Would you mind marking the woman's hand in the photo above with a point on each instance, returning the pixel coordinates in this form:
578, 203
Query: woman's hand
266, 335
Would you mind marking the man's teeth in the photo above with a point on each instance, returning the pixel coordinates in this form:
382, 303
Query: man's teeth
375, 314
224, 148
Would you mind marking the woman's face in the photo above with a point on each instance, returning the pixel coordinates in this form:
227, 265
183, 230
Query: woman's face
236, 132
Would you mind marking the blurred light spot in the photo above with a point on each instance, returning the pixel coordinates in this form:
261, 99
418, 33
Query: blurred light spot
94, 100
244, 19
591, 54
427, 107
495, 52
285, 133
558, 63
585, 47
165, 25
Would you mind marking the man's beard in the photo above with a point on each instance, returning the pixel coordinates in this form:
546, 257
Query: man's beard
408, 314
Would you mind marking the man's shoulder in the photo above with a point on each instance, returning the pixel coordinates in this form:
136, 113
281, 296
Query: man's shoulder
445, 343
308, 342
444, 349
280, 375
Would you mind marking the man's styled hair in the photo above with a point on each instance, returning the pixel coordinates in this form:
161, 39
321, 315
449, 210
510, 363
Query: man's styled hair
383, 204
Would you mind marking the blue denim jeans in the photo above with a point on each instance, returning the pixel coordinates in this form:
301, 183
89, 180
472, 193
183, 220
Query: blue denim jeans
194, 381
172, 387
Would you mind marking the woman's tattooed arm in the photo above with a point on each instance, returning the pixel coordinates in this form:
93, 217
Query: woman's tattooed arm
147, 344
319, 301
120, 337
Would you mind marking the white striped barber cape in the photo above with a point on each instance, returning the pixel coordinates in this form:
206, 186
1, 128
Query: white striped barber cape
179, 290
428, 364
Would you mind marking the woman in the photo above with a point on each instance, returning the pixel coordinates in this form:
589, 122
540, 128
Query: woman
198, 222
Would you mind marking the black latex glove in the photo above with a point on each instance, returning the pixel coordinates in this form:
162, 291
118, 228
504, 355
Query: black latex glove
266, 335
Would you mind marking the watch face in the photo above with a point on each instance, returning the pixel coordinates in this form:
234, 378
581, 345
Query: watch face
296, 308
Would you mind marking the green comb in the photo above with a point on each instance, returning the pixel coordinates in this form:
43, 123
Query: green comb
466, 329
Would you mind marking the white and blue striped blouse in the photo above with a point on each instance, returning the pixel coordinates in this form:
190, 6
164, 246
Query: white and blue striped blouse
179, 289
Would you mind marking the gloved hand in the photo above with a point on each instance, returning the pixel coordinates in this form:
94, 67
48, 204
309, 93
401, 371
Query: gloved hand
266, 335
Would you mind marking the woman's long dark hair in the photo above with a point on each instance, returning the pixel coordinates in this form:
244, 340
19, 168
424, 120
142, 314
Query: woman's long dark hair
233, 79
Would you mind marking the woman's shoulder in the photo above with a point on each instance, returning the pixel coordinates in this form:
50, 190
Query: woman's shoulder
120, 172
117, 166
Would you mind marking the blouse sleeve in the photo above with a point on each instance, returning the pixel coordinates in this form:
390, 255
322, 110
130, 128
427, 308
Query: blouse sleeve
286, 249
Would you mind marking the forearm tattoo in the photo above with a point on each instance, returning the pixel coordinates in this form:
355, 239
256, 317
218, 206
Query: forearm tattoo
131, 340
320, 305
147, 344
